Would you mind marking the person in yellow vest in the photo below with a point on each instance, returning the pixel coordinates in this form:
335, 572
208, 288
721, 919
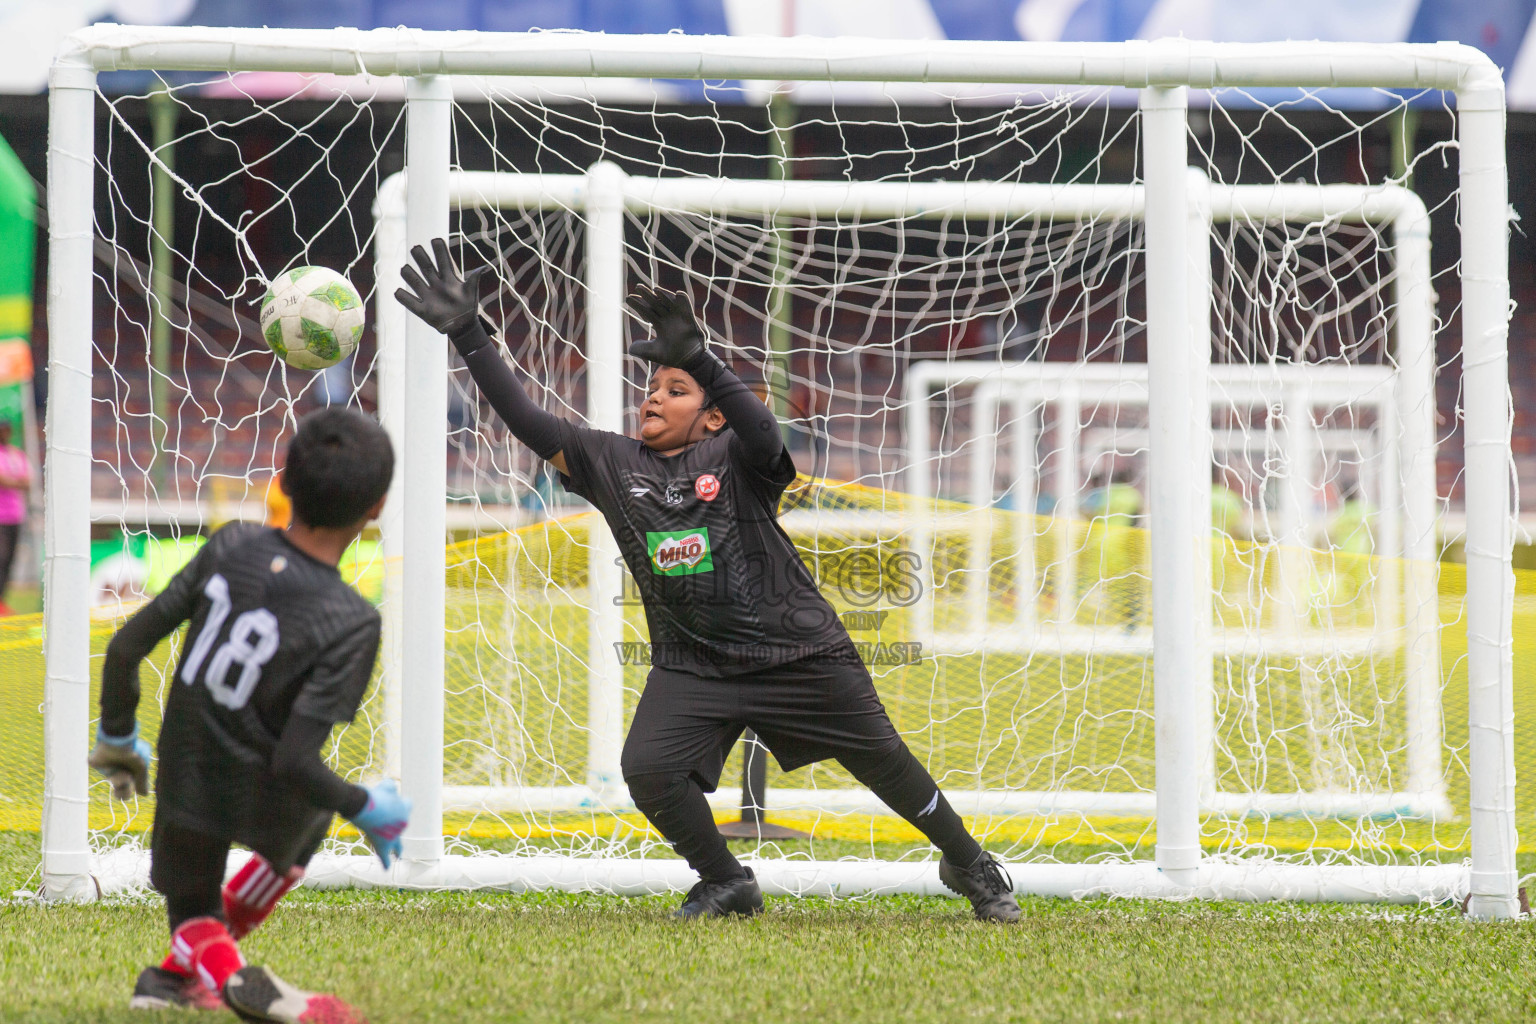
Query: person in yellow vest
1343, 574
1230, 514
279, 508
1231, 527
1114, 548
1352, 526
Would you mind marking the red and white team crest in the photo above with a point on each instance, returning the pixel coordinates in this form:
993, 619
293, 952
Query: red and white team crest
706, 487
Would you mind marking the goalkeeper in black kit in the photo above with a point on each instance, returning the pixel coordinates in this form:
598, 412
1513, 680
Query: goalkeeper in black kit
278, 650
740, 635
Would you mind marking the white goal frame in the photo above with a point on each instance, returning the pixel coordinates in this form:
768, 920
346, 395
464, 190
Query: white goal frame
1162, 71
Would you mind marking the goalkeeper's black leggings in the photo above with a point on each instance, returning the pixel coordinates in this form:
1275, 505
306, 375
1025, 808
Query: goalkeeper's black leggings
675, 803
187, 868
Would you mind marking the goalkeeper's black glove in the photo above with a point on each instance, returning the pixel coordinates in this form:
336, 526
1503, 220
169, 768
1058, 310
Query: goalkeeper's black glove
679, 340
442, 298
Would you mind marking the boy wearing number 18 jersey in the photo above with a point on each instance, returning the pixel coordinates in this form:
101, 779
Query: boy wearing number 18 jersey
740, 635
278, 650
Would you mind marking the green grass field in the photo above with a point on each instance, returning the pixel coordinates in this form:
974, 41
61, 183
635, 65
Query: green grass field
587, 958
516, 705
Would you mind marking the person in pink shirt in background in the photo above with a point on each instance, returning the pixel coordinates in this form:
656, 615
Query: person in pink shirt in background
15, 482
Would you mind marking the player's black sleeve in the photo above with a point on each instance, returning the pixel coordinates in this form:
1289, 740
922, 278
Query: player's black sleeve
296, 763
749, 418
336, 685
536, 428
769, 479
584, 448
138, 637
755, 441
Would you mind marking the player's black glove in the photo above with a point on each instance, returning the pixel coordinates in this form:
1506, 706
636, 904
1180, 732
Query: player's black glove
679, 340
442, 298
124, 761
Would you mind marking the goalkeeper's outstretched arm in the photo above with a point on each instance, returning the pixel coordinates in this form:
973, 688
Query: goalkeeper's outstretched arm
438, 295
536, 428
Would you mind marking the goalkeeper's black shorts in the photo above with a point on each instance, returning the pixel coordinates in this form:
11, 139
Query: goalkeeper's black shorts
816, 709
280, 825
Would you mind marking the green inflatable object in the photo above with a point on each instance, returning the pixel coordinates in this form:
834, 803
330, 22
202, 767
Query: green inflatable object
18, 246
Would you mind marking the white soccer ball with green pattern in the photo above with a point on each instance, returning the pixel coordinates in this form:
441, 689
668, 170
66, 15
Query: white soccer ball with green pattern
312, 317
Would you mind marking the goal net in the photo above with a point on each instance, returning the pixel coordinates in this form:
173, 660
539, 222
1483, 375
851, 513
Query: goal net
1070, 382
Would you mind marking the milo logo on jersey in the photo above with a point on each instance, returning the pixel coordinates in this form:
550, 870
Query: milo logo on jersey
679, 552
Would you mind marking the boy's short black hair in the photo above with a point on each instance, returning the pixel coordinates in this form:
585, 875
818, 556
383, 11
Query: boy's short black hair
339, 465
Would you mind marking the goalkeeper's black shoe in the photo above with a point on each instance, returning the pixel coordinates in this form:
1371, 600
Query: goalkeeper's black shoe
256, 994
741, 896
985, 884
160, 989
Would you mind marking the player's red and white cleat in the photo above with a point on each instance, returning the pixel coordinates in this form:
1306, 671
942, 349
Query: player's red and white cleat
256, 994
160, 989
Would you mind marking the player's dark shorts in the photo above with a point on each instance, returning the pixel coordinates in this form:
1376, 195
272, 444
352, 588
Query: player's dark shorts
186, 865
805, 711
219, 795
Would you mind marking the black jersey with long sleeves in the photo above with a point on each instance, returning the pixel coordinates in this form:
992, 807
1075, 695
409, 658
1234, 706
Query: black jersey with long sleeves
724, 589
273, 633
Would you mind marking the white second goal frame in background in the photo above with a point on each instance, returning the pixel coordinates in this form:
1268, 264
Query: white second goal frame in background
1162, 71
1401, 394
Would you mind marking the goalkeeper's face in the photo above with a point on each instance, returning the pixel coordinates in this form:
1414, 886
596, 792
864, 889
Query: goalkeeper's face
676, 412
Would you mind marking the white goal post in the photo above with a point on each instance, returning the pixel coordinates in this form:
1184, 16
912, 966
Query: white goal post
1162, 71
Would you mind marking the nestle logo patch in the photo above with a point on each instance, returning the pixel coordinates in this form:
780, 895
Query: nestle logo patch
687, 550
707, 487
680, 552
